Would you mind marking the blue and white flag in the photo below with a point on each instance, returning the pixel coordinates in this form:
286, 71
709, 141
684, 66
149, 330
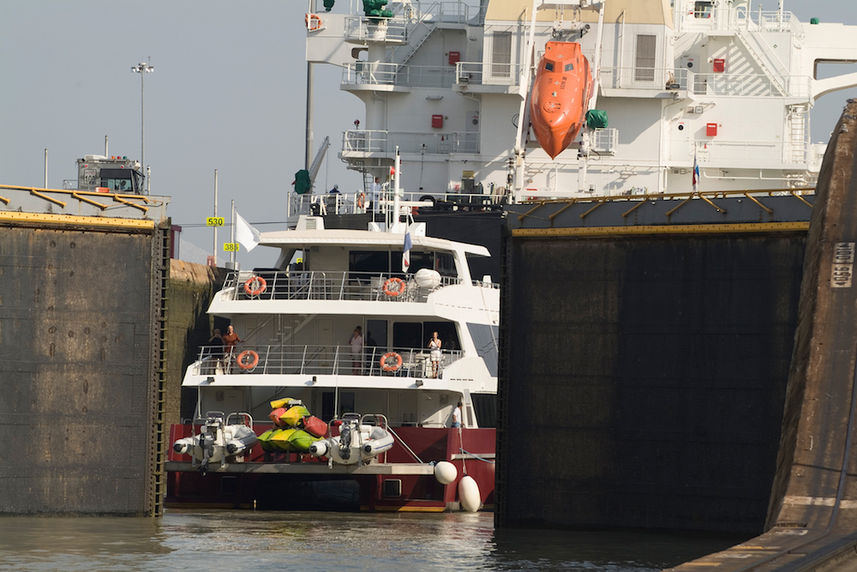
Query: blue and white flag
406, 253
695, 172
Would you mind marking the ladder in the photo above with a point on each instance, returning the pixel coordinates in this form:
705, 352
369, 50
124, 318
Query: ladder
797, 117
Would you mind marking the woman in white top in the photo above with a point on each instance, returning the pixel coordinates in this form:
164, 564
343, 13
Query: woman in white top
356, 342
434, 345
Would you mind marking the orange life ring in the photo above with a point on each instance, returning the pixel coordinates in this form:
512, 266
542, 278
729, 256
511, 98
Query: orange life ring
361, 200
313, 22
400, 287
243, 361
385, 361
255, 285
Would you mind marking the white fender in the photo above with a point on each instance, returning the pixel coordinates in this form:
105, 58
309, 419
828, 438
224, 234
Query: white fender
468, 494
183, 446
319, 448
445, 472
239, 438
379, 441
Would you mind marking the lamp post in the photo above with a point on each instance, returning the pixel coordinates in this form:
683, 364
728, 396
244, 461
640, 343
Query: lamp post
142, 68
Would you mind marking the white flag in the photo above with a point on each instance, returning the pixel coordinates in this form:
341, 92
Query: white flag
246, 234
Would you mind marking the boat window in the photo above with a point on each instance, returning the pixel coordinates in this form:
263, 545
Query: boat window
117, 180
373, 261
703, 9
407, 335
445, 264
376, 333
501, 54
569, 67
548, 66
644, 69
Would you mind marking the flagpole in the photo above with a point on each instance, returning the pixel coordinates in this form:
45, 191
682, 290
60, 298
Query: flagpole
214, 228
396, 204
232, 235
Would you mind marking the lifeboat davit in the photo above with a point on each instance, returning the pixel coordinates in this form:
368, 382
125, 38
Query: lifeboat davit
560, 96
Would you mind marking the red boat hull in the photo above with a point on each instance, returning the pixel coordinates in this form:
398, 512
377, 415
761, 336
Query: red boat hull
297, 481
560, 96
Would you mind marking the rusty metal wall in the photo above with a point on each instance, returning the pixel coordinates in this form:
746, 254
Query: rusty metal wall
643, 379
81, 312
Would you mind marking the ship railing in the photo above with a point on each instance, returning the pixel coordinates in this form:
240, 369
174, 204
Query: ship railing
379, 141
278, 359
364, 28
383, 73
475, 73
359, 202
765, 153
333, 286
749, 85
638, 77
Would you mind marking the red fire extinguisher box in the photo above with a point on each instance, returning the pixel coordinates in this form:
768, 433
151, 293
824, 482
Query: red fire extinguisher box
454, 58
437, 121
719, 65
711, 129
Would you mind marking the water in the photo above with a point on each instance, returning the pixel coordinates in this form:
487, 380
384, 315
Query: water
242, 540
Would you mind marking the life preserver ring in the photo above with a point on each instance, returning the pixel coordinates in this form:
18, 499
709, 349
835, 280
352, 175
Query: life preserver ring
255, 285
361, 200
247, 360
399, 285
313, 22
385, 361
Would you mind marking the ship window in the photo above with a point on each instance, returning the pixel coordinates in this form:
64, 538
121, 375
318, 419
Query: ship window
569, 67
548, 66
644, 70
702, 9
117, 180
501, 54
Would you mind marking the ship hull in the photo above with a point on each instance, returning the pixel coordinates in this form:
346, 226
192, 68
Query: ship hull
394, 482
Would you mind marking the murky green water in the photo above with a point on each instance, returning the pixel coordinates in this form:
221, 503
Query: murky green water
242, 540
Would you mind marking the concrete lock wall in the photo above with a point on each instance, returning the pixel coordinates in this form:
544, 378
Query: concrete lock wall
80, 342
644, 379
189, 327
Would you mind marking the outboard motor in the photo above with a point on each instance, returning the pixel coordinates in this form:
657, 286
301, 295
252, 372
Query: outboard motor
345, 442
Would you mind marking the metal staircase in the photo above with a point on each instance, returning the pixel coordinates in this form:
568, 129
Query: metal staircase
417, 36
767, 61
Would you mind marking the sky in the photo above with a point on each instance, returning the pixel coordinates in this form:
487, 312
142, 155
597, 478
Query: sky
227, 93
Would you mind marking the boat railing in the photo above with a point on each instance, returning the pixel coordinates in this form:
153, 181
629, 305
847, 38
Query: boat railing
750, 85
475, 73
393, 74
359, 202
357, 141
278, 359
767, 154
318, 285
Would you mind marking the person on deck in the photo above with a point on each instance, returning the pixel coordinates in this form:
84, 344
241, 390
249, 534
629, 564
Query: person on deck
356, 342
230, 340
456, 416
435, 353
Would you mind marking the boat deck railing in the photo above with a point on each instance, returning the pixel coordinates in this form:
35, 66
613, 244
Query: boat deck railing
394, 74
321, 360
366, 141
320, 285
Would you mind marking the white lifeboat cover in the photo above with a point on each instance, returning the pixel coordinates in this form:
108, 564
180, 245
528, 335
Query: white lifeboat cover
426, 278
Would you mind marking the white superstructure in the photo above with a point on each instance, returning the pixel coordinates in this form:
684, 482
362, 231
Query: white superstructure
296, 321
717, 83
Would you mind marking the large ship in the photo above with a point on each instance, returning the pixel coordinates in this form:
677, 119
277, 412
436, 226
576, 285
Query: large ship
690, 95
359, 371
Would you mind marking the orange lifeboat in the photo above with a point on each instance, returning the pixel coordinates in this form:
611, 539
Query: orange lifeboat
560, 96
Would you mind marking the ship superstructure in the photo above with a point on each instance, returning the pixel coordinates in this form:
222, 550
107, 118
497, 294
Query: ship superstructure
721, 88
